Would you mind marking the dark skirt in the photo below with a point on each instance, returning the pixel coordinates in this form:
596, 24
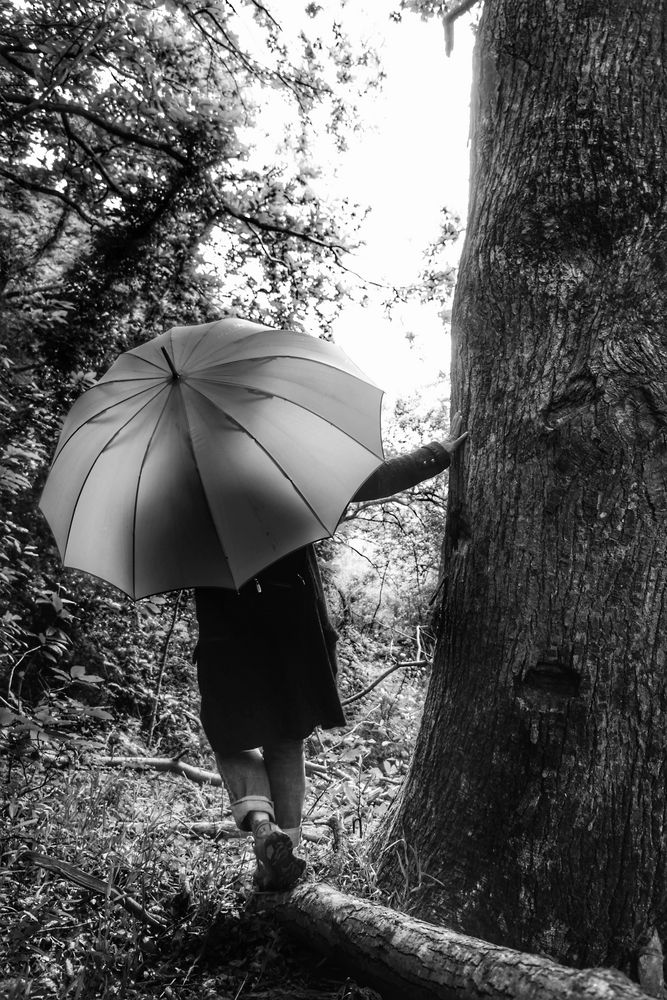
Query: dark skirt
263, 667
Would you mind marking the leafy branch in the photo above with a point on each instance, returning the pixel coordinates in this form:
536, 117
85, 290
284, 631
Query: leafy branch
79, 111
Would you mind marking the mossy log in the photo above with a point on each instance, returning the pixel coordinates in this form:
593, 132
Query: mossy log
408, 959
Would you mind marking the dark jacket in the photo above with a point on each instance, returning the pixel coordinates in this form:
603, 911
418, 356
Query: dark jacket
266, 656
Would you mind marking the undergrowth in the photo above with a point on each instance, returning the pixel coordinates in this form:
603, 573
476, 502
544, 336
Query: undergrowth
169, 845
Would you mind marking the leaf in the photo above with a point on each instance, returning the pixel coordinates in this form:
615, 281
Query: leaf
98, 713
78, 673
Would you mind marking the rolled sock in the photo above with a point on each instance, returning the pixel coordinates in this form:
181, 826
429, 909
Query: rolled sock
262, 827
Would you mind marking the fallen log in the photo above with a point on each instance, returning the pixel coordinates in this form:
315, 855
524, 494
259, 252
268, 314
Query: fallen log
174, 765
222, 830
199, 775
407, 958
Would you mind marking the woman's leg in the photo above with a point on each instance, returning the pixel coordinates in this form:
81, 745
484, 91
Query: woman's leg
285, 768
246, 780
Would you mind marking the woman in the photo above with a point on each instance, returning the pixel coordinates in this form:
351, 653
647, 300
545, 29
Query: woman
266, 666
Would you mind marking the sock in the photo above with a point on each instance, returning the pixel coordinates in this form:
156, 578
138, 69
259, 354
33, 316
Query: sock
258, 819
294, 834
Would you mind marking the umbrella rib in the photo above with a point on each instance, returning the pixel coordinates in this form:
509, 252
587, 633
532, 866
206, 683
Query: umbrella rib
201, 480
132, 378
169, 385
289, 357
97, 458
271, 458
286, 399
193, 347
106, 409
146, 361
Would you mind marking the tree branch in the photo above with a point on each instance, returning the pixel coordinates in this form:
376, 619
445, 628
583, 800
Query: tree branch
106, 176
119, 130
29, 185
270, 227
174, 765
391, 670
448, 22
4, 54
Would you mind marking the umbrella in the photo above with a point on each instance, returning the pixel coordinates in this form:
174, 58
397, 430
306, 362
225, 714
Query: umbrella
207, 453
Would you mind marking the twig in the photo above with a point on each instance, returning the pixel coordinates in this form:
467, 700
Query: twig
158, 687
269, 227
17, 698
104, 173
362, 694
381, 591
79, 877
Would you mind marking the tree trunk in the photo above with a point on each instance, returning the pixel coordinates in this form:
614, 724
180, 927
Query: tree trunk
403, 957
535, 807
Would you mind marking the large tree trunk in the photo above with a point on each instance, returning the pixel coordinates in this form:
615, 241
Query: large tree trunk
535, 806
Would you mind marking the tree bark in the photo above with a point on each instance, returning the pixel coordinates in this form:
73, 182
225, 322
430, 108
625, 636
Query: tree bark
403, 957
535, 807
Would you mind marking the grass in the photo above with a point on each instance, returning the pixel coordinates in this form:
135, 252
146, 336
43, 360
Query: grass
128, 828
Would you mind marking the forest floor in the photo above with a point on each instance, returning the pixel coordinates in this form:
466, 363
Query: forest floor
167, 845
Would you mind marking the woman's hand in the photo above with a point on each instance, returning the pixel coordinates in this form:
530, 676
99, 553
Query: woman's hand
455, 439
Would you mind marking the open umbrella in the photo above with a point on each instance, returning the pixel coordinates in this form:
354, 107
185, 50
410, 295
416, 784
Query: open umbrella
206, 454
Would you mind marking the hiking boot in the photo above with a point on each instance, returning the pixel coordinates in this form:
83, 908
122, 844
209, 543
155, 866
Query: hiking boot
278, 869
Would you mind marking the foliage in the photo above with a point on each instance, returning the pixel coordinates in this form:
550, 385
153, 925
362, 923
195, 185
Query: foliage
386, 563
385, 559
158, 164
134, 831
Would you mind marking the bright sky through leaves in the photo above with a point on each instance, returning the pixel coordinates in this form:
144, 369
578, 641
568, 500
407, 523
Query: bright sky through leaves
409, 164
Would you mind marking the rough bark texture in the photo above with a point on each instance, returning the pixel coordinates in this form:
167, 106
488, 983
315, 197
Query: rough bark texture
535, 807
407, 958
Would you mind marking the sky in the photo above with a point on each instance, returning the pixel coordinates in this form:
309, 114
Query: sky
408, 164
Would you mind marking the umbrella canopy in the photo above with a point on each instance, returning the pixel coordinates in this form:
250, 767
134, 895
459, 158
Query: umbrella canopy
206, 454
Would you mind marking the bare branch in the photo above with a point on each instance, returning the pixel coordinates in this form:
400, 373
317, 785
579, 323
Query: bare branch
448, 22
391, 670
267, 253
272, 227
267, 13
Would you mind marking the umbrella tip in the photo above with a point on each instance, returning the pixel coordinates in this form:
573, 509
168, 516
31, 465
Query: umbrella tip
170, 363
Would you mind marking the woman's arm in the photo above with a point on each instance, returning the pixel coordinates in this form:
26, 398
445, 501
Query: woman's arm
398, 474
